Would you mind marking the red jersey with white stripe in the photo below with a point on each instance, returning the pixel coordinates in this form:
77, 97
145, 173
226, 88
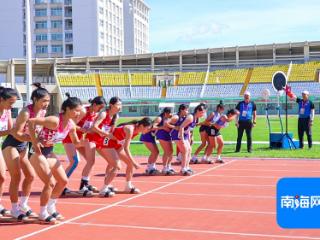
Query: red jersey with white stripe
86, 123
49, 137
120, 136
105, 126
32, 114
4, 119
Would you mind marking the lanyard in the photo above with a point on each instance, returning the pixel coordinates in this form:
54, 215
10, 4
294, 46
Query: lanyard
303, 104
246, 106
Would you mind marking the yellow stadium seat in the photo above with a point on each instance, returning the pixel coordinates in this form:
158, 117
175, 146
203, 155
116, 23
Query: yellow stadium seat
228, 76
304, 72
190, 78
114, 79
77, 79
142, 79
264, 74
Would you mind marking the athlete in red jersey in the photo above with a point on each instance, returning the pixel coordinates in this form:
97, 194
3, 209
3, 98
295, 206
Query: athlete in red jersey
102, 128
15, 151
84, 124
8, 97
119, 145
45, 163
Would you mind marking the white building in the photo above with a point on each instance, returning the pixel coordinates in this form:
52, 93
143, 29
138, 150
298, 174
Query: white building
65, 28
136, 27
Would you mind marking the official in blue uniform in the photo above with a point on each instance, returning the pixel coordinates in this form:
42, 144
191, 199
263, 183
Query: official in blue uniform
246, 121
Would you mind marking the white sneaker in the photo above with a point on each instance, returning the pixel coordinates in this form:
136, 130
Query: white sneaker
219, 160
113, 189
186, 172
106, 192
194, 160
152, 171
208, 161
132, 190
4, 212
169, 171
85, 192
19, 215
28, 211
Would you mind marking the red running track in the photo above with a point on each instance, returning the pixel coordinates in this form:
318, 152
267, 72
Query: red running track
235, 200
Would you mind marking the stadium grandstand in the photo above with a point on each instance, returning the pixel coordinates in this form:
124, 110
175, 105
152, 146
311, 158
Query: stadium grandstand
147, 80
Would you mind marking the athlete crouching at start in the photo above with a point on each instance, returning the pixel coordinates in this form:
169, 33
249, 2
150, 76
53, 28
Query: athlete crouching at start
47, 166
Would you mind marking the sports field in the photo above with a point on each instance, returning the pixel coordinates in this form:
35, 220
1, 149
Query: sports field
260, 133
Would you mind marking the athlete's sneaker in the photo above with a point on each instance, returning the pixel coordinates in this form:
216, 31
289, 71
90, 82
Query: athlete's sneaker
4, 212
48, 220
194, 160
85, 192
185, 172
28, 211
57, 216
152, 171
169, 171
207, 161
132, 190
219, 160
106, 192
66, 191
113, 189
92, 188
190, 170
19, 215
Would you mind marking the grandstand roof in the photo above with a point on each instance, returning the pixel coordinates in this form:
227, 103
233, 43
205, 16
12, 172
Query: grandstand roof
237, 55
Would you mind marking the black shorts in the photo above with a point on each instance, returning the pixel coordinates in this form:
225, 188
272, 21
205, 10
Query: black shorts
46, 151
213, 132
203, 128
10, 141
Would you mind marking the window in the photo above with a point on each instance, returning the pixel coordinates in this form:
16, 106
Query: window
56, 48
40, 1
41, 37
56, 1
56, 24
102, 35
41, 49
41, 24
101, 47
68, 37
56, 11
68, 24
69, 49
67, 2
56, 36
41, 12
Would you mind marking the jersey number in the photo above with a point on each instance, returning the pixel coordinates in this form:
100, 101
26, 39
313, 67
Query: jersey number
105, 141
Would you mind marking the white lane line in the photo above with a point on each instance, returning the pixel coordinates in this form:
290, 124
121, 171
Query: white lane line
273, 236
215, 195
197, 209
120, 202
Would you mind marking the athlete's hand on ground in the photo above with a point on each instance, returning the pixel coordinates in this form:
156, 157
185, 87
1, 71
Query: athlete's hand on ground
237, 125
310, 123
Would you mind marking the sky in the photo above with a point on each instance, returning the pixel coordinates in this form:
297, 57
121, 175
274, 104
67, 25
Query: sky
192, 24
